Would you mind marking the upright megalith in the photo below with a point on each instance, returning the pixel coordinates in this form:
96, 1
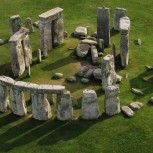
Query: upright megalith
89, 108
21, 52
41, 109
108, 71
124, 40
111, 101
51, 28
64, 106
119, 13
29, 25
18, 104
15, 24
103, 25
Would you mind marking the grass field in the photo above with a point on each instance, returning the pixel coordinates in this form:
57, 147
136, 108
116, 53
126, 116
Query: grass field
117, 134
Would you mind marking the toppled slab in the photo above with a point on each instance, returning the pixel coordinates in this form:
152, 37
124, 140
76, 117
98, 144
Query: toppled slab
82, 71
80, 31
94, 54
89, 42
127, 111
136, 105
89, 73
7, 81
97, 74
137, 91
82, 50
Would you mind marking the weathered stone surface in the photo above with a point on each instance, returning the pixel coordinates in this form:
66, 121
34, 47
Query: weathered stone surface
82, 71
82, 50
134, 106
85, 80
89, 108
119, 12
124, 49
29, 25
58, 75
71, 79
127, 111
97, 73
111, 101
139, 104
50, 89
28, 71
108, 71
89, 73
4, 102
137, 91
103, 25
39, 55
101, 45
118, 78
89, 42
58, 32
7, 81
41, 109
51, 23
64, 106
124, 25
15, 24
91, 38
94, 54
80, 31
18, 104
1, 41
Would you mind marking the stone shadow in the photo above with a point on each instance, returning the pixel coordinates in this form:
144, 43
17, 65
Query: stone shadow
6, 70
113, 32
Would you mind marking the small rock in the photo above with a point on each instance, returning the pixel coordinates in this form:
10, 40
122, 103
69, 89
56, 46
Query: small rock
139, 104
126, 76
151, 100
71, 79
1, 41
118, 78
89, 73
134, 106
58, 75
137, 91
138, 41
65, 34
97, 73
149, 67
36, 24
82, 50
127, 111
85, 80
89, 42
100, 54
82, 71
80, 31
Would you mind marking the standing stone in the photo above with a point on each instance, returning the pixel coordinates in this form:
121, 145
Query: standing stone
108, 71
3, 98
103, 25
58, 29
89, 108
15, 24
101, 45
28, 71
39, 55
27, 51
41, 109
29, 25
94, 54
119, 12
64, 106
18, 104
111, 101
124, 40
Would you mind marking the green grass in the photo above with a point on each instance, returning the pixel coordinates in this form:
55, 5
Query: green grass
117, 134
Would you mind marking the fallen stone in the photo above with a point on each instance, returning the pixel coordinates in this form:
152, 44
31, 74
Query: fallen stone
1, 41
89, 73
94, 54
85, 80
89, 107
134, 106
97, 74
91, 38
137, 91
80, 31
58, 75
127, 111
118, 78
139, 104
82, 50
89, 42
36, 24
71, 79
149, 67
82, 71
